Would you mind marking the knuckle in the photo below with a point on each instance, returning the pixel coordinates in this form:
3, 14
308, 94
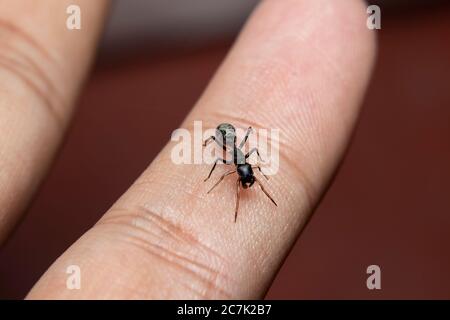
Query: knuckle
200, 269
24, 58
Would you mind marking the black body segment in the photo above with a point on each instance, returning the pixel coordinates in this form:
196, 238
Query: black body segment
225, 137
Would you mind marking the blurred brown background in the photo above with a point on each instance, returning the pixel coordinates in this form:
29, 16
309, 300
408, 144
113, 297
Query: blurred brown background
389, 204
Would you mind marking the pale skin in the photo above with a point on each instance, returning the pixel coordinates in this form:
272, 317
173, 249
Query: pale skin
298, 65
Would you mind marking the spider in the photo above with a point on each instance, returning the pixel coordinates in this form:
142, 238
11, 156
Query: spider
225, 137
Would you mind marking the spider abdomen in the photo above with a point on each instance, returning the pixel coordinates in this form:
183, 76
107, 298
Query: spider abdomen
245, 173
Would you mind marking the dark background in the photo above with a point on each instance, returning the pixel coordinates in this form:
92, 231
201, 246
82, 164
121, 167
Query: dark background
389, 204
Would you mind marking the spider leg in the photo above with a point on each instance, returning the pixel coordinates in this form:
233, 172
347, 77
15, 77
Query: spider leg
214, 166
221, 178
266, 193
249, 130
212, 138
238, 189
259, 168
253, 151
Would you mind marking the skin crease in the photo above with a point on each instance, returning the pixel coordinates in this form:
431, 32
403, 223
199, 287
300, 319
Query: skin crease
41, 72
299, 65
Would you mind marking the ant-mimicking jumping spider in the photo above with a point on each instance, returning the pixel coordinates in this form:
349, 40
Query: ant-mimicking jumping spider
225, 137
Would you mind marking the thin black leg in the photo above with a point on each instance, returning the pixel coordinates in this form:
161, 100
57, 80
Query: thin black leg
249, 130
253, 151
214, 166
221, 178
265, 192
238, 189
212, 138
259, 168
